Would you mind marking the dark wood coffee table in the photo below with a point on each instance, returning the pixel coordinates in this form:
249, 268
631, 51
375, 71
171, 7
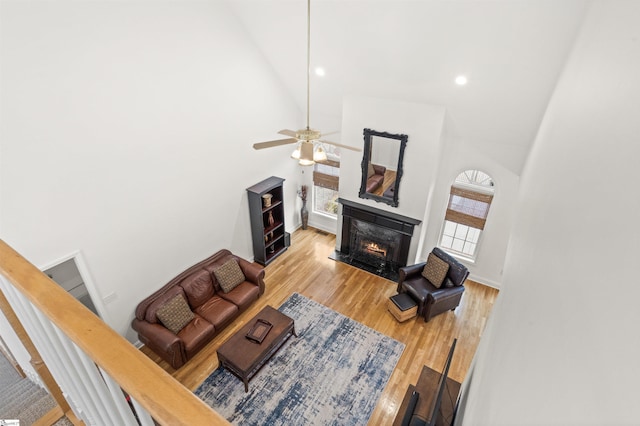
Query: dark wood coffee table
245, 358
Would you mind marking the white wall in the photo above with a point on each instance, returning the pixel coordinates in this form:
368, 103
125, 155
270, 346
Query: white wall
561, 346
422, 123
433, 159
126, 135
458, 156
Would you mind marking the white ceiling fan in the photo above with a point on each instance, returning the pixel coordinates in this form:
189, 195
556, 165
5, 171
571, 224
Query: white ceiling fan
309, 149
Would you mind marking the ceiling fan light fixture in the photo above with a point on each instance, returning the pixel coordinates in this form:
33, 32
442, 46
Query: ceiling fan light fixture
306, 154
296, 153
308, 134
320, 154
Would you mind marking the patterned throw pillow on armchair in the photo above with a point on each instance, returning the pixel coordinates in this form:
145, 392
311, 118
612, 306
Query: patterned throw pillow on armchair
435, 270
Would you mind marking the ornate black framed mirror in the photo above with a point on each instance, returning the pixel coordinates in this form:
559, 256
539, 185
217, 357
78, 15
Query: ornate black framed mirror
382, 166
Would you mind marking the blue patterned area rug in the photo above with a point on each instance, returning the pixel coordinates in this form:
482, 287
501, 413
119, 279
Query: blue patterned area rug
332, 374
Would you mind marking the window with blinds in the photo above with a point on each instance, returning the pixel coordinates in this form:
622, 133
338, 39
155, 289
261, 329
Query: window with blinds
326, 180
469, 202
468, 207
326, 174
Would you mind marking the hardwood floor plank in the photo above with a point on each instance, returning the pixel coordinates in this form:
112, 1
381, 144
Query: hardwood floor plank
306, 269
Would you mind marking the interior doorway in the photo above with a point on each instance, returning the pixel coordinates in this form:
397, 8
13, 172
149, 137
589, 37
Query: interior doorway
67, 273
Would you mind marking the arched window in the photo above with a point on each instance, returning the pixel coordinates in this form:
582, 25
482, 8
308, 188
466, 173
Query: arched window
469, 202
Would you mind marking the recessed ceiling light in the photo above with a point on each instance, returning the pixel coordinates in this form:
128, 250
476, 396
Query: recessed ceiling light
320, 72
461, 80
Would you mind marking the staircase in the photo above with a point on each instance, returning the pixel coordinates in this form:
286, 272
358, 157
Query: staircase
22, 399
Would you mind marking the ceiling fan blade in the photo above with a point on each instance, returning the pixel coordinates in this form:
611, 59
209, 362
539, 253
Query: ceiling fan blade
287, 132
342, 146
271, 144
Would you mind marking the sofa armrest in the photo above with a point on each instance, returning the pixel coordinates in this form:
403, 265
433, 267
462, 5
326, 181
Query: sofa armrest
160, 338
410, 271
374, 182
379, 170
252, 272
407, 272
445, 293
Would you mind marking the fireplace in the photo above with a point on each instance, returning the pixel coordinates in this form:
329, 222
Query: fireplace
374, 240
375, 246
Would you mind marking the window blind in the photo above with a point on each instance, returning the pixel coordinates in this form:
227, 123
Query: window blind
326, 174
468, 207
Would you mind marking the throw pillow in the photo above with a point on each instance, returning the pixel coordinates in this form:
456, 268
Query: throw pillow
457, 271
229, 275
175, 314
435, 270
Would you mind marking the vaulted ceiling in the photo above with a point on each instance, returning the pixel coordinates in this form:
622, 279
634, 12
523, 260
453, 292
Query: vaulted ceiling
512, 52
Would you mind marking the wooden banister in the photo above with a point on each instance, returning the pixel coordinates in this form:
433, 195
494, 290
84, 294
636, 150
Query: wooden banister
164, 398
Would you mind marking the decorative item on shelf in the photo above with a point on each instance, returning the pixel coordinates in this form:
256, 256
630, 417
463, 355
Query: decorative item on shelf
272, 250
270, 220
304, 213
271, 235
266, 200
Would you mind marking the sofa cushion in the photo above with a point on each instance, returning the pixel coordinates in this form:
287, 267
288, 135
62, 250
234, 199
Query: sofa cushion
196, 335
457, 271
370, 171
175, 314
198, 287
150, 314
435, 270
217, 311
229, 275
242, 295
374, 182
418, 288
458, 274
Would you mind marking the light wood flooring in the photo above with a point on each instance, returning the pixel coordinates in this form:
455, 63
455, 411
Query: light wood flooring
306, 269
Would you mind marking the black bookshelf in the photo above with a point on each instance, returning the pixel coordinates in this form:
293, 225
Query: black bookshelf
267, 222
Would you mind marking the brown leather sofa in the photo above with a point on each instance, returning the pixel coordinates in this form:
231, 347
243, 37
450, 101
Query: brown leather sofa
431, 299
375, 180
212, 308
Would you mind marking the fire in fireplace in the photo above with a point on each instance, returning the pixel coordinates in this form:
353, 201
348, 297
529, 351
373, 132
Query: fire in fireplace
376, 250
373, 246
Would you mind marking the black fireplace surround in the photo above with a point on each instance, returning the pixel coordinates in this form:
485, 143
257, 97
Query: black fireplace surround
374, 240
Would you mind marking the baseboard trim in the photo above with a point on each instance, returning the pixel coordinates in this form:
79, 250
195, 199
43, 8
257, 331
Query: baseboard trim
322, 228
485, 281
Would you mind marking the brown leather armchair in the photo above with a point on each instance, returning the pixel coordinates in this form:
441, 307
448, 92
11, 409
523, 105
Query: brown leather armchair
431, 299
212, 308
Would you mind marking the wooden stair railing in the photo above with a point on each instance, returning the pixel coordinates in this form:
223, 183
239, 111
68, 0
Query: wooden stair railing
163, 397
